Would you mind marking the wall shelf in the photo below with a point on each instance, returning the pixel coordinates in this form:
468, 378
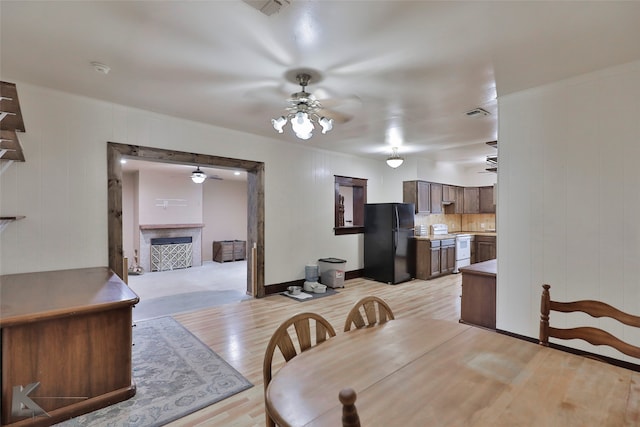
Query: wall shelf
6, 220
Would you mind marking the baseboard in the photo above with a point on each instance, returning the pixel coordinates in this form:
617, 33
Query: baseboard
607, 359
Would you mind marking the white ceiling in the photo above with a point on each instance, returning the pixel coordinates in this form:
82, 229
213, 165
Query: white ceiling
416, 66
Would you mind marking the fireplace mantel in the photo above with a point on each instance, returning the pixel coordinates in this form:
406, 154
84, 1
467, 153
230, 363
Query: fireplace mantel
169, 226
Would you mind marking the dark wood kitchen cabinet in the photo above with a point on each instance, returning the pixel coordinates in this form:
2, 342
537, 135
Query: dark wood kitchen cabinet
471, 200
449, 193
486, 204
485, 248
453, 199
434, 258
447, 256
436, 198
418, 193
478, 302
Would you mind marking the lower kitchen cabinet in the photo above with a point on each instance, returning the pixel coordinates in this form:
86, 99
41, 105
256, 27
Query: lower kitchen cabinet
447, 256
485, 248
478, 302
434, 258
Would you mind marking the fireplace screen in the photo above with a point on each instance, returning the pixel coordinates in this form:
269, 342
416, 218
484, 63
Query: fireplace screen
170, 253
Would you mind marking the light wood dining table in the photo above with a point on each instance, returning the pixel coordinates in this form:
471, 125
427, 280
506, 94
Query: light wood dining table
426, 372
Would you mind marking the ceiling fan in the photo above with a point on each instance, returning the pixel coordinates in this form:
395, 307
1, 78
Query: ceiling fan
198, 176
303, 108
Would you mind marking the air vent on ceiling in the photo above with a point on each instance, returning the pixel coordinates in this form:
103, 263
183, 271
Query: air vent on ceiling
477, 112
268, 7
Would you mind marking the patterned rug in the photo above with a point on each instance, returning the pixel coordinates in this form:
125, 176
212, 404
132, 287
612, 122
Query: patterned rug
175, 375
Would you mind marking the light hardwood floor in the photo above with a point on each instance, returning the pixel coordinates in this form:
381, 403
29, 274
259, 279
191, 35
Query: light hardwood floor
239, 333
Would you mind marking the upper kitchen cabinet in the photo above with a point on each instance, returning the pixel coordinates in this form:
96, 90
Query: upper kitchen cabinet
471, 200
418, 193
453, 199
436, 198
487, 203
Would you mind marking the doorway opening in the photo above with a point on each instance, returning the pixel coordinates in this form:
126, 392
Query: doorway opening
255, 202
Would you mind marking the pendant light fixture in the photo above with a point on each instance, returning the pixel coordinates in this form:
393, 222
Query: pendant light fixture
198, 176
394, 160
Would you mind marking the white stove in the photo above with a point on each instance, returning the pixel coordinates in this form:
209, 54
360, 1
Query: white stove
463, 245
463, 251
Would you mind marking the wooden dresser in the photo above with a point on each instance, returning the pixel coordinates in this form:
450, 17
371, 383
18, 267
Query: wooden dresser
68, 332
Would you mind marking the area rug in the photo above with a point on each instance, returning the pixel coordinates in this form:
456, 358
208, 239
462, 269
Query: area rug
313, 296
181, 303
175, 375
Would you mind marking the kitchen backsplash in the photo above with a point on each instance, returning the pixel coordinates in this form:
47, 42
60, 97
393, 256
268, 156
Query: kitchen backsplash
459, 222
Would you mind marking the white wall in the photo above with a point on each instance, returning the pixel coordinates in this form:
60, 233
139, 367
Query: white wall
224, 213
168, 199
569, 190
62, 186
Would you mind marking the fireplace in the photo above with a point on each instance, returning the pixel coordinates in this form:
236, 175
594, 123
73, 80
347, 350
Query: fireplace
170, 253
170, 246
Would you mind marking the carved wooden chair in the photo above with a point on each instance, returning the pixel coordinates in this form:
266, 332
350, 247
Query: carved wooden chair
350, 416
592, 335
299, 326
375, 310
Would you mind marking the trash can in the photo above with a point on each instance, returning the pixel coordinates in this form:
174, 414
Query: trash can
332, 272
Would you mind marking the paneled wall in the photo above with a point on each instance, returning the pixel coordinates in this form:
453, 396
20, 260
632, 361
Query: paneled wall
62, 186
225, 213
569, 192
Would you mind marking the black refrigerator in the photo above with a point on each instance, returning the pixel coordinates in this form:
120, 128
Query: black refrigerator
388, 254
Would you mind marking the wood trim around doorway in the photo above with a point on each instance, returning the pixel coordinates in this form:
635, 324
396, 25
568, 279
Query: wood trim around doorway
255, 202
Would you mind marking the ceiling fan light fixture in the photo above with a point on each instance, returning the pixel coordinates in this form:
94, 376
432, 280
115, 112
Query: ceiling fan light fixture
395, 160
279, 123
198, 176
302, 125
327, 124
302, 112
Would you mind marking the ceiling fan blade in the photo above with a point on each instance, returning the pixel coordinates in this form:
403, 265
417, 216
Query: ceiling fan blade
337, 117
273, 94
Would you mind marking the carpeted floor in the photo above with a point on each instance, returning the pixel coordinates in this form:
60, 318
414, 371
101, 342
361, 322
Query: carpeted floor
182, 303
175, 374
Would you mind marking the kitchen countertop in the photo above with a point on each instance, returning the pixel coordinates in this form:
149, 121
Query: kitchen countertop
453, 235
485, 268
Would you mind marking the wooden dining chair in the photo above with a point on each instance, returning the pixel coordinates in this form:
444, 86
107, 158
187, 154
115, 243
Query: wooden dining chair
592, 335
350, 416
298, 326
375, 310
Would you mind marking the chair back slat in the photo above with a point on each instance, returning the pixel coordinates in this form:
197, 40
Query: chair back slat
375, 309
589, 334
596, 309
322, 333
595, 336
288, 350
370, 311
303, 330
